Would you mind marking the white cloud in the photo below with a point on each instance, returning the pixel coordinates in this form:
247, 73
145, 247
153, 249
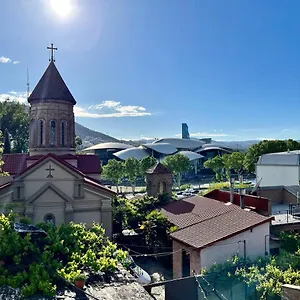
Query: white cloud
266, 139
205, 134
4, 60
111, 109
14, 96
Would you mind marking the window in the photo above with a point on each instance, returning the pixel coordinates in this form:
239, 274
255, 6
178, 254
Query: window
63, 133
79, 190
41, 132
18, 192
52, 133
49, 218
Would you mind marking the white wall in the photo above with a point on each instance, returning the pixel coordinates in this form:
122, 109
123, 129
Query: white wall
277, 175
257, 242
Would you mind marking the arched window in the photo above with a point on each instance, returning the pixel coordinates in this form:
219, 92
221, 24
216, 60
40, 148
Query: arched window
63, 133
49, 218
41, 132
52, 133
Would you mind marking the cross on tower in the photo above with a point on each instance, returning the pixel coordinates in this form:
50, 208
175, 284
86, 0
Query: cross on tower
52, 49
50, 169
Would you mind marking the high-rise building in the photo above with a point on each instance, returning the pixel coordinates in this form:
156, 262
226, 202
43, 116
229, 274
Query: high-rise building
185, 131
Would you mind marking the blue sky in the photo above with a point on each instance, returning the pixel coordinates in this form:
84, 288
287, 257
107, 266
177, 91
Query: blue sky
137, 68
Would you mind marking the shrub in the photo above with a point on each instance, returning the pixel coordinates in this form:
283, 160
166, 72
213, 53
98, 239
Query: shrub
34, 265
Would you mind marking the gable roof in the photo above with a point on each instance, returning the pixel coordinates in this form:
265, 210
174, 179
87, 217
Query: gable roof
159, 168
203, 221
86, 178
51, 87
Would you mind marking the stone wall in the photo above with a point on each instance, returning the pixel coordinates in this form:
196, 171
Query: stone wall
290, 292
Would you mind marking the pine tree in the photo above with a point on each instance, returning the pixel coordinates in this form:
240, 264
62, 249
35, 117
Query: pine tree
6, 147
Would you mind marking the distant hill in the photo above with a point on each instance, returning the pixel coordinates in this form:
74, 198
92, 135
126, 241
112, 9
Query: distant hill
91, 137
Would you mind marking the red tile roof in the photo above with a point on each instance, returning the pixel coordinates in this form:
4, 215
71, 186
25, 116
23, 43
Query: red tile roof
14, 163
203, 221
89, 164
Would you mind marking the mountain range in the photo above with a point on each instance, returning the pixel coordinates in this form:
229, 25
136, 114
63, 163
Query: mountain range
91, 137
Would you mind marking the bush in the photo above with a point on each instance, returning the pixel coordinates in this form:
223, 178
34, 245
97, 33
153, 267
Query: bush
34, 265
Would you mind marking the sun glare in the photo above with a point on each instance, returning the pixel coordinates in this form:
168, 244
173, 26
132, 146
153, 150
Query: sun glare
62, 7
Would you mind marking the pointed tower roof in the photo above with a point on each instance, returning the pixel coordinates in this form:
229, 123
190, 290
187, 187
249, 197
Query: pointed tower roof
159, 168
51, 87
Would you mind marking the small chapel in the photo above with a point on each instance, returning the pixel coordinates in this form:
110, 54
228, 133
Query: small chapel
52, 183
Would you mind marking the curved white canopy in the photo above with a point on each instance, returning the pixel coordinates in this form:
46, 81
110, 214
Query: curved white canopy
191, 155
139, 153
163, 148
120, 146
178, 143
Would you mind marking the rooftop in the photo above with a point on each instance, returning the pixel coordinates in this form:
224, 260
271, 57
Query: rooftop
280, 158
120, 146
203, 221
51, 87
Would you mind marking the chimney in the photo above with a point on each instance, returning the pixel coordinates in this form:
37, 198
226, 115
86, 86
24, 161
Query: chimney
242, 196
231, 189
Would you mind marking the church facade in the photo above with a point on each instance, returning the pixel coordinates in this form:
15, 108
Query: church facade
52, 183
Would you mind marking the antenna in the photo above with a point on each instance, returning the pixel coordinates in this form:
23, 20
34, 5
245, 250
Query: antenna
27, 84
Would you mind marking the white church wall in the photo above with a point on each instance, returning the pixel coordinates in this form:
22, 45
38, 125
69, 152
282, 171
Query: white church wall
87, 217
277, 175
62, 179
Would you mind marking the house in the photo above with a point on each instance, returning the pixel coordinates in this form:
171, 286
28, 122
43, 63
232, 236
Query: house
52, 183
278, 169
211, 231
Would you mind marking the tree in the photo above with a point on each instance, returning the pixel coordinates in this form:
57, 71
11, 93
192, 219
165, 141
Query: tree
132, 171
7, 146
217, 165
114, 171
14, 118
265, 147
236, 162
78, 142
179, 164
227, 165
146, 163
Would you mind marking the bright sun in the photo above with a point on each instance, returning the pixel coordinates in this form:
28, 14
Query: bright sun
62, 7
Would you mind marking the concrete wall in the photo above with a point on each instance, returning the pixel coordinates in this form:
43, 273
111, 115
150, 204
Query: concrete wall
290, 292
277, 175
257, 243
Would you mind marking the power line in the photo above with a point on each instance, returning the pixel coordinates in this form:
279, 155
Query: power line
213, 288
157, 254
200, 287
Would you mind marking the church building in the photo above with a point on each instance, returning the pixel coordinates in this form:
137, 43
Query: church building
52, 183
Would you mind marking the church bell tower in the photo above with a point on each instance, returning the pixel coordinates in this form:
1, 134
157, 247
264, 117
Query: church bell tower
52, 123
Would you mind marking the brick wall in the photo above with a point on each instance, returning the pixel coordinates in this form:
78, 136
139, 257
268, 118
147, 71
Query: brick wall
177, 260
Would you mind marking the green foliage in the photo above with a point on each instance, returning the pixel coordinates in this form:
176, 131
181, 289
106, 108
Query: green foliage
217, 165
1, 152
35, 265
15, 119
78, 142
179, 164
146, 163
143, 215
132, 171
185, 187
265, 147
114, 171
